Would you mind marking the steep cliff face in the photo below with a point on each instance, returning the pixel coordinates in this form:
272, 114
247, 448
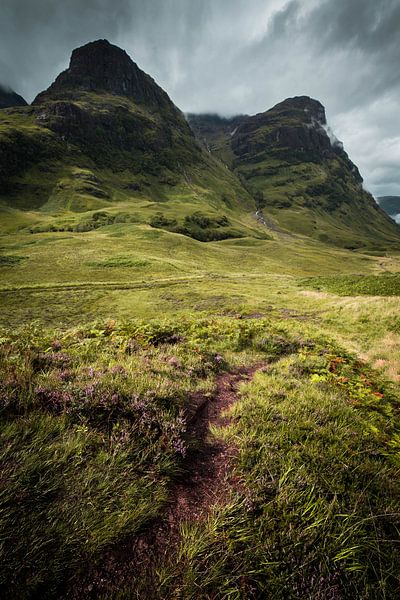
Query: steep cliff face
109, 107
298, 172
9, 98
296, 123
102, 67
294, 128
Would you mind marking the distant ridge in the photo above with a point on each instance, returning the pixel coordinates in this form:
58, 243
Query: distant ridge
9, 98
390, 204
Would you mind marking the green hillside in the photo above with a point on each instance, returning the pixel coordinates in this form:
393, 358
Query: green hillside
199, 352
299, 173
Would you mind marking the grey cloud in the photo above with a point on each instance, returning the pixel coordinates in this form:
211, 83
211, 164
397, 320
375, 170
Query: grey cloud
233, 56
36, 37
366, 24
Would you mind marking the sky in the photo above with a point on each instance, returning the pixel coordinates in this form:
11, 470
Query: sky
235, 56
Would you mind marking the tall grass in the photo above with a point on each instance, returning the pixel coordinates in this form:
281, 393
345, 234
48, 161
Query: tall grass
317, 514
92, 433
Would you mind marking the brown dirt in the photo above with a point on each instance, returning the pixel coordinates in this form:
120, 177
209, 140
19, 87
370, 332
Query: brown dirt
207, 481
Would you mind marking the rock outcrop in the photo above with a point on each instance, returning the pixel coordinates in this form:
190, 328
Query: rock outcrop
297, 125
298, 172
102, 67
115, 112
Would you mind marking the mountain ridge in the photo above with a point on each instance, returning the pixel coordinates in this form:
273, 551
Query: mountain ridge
298, 172
104, 131
9, 98
101, 66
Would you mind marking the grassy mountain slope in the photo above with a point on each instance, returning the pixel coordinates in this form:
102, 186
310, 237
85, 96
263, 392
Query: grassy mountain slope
102, 137
299, 173
118, 322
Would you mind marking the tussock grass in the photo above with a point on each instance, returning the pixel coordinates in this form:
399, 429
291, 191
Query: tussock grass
92, 436
92, 433
319, 461
384, 284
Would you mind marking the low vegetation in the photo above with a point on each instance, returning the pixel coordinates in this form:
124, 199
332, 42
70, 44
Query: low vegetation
385, 284
200, 227
94, 432
317, 515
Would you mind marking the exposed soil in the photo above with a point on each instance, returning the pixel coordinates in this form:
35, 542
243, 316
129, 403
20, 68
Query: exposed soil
261, 218
207, 481
290, 313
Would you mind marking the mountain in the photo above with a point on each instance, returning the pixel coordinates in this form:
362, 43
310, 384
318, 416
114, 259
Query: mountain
299, 173
104, 133
9, 98
100, 66
105, 137
115, 112
390, 204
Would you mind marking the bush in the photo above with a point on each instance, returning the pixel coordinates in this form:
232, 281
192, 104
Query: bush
161, 222
198, 226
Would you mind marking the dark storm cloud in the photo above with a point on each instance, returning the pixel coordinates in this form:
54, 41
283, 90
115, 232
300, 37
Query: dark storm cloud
366, 31
369, 24
235, 56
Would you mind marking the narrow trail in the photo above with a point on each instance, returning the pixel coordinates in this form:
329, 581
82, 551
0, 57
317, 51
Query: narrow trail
207, 481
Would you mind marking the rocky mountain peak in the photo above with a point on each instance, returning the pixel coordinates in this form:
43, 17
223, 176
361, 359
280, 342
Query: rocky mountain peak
302, 107
296, 124
101, 66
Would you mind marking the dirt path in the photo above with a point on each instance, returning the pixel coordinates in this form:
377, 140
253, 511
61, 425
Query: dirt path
206, 481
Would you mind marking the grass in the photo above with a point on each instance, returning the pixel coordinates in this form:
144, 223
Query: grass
126, 270
81, 457
318, 459
92, 432
92, 436
384, 284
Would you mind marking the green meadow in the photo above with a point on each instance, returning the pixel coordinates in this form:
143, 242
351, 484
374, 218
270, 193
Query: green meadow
112, 320
131, 269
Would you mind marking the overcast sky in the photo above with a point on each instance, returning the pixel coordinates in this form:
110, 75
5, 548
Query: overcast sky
235, 56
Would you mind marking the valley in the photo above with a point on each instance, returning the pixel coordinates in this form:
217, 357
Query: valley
199, 350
